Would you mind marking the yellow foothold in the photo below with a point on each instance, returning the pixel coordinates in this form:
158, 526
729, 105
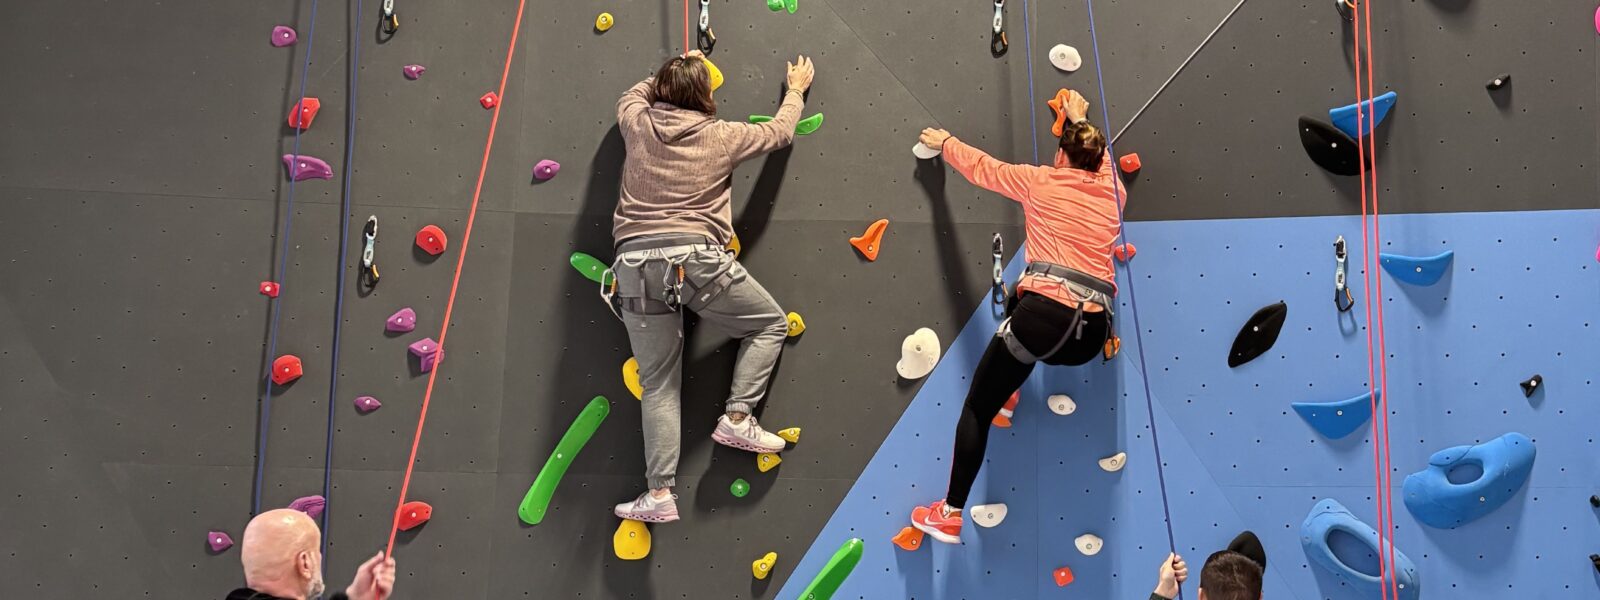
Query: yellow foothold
791, 435
716, 74
767, 460
763, 567
632, 540
734, 247
797, 325
630, 378
603, 22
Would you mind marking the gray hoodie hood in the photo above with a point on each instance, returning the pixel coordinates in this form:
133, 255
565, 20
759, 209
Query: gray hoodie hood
671, 123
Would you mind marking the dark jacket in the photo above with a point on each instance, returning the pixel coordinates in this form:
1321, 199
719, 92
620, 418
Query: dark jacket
249, 594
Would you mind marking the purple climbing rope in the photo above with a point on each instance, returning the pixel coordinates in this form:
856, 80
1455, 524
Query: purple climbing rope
1033, 109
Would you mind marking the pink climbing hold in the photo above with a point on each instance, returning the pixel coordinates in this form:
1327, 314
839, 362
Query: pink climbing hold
310, 505
367, 404
546, 169
430, 361
305, 167
427, 351
219, 540
402, 320
413, 71
284, 36
1597, 20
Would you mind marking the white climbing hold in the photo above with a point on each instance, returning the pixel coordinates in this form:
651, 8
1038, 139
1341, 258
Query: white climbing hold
1114, 463
1089, 544
918, 354
988, 515
1061, 404
924, 152
1065, 57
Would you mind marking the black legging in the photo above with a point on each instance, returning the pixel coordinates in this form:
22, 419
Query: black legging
1039, 324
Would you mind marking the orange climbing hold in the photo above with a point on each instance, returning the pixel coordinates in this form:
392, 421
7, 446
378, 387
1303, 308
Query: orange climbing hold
431, 239
1059, 104
1130, 163
1003, 419
414, 513
304, 112
1123, 252
869, 242
1063, 576
909, 538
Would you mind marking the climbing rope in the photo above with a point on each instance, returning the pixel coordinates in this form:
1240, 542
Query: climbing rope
455, 281
1175, 72
264, 419
1033, 107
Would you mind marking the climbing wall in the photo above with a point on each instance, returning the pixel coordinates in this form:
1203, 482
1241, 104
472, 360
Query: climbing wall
144, 201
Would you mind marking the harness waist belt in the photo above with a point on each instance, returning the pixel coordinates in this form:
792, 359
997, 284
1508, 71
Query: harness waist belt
1073, 275
666, 240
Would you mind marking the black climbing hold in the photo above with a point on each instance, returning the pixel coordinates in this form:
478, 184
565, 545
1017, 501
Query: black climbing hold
1594, 501
1258, 334
1498, 82
1330, 148
1532, 385
1595, 558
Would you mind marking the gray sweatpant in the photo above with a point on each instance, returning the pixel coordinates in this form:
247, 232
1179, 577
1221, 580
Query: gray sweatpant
722, 293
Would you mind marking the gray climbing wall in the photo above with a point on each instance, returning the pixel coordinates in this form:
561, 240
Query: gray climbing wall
142, 199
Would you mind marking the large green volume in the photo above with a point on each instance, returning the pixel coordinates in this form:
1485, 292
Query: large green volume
834, 573
537, 501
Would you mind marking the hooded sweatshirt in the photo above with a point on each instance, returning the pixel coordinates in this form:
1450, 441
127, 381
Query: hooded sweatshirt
677, 176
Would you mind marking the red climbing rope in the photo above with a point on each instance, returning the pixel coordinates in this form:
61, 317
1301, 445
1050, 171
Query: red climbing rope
455, 282
686, 45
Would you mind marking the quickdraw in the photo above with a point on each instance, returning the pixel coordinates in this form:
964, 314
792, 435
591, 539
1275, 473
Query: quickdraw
998, 294
1346, 9
997, 42
706, 40
1342, 298
369, 269
390, 22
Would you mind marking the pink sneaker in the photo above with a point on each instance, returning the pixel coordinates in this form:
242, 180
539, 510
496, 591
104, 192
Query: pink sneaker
747, 435
649, 509
931, 520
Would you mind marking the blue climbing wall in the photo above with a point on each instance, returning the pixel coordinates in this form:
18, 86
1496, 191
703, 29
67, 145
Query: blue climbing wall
1519, 300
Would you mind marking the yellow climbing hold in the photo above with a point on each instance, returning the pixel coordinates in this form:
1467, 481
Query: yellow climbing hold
797, 325
716, 74
767, 460
630, 378
632, 540
734, 247
791, 435
763, 567
603, 22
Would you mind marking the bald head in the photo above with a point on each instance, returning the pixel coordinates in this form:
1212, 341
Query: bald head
281, 554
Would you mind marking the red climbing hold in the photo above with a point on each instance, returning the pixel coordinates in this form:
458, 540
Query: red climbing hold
1003, 418
870, 242
1123, 252
909, 538
431, 240
286, 368
1130, 163
1063, 576
412, 514
489, 100
304, 112
270, 289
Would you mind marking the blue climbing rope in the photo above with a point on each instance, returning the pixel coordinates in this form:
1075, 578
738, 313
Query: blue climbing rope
265, 417
1033, 109
1133, 301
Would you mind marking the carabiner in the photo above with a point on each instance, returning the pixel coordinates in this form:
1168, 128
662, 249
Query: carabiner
389, 21
998, 293
1342, 298
369, 270
706, 40
997, 42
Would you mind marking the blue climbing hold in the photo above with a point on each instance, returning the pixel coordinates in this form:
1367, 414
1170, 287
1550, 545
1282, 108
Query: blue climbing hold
1330, 521
1344, 117
1336, 419
1417, 270
1505, 463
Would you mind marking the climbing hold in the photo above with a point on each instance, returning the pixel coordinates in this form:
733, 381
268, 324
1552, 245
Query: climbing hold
808, 125
537, 500
1503, 463
791, 5
286, 368
1063, 576
1124, 252
432, 240
1062, 404
739, 488
1316, 533
1330, 148
368, 404
1594, 501
270, 289
774, 5
546, 169
631, 541
1129, 163
1058, 105
760, 119
1532, 385
735, 247
630, 378
797, 325
312, 506
1114, 463
413, 72
1595, 558
791, 435
1336, 419
401, 321
870, 242
1089, 544
1002, 419
1417, 270
988, 515
1258, 334
1065, 57
767, 460
604, 22
1346, 9
489, 100
1597, 20
1498, 82
219, 540
427, 352
305, 167
589, 266
414, 513
762, 567
833, 574
304, 112
713, 73
1375, 110
909, 538
924, 152
918, 354
283, 36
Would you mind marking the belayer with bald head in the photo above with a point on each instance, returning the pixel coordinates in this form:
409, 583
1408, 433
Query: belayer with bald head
282, 559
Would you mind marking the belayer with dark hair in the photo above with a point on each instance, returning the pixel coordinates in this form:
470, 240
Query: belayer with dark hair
1232, 574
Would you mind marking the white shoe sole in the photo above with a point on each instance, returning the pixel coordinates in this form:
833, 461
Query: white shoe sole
936, 534
739, 443
643, 518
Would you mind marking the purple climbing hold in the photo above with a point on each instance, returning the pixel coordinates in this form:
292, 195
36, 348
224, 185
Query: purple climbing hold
429, 362
305, 167
546, 169
402, 320
310, 505
424, 347
284, 36
218, 540
414, 71
368, 404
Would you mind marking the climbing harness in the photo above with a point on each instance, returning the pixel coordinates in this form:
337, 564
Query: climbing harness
998, 293
369, 269
1342, 297
706, 40
677, 290
997, 41
1083, 287
389, 23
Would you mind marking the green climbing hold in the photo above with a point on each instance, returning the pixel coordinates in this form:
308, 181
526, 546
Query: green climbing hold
739, 488
834, 573
809, 125
774, 5
537, 501
589, 266
759, 118
792, 5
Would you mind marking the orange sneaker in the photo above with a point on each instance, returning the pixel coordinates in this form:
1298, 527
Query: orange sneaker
931, 520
